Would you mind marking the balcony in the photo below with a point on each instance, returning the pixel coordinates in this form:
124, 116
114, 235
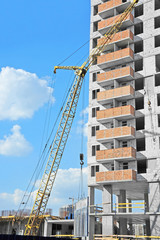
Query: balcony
114, 58
116, 176
120, 38
121, 74
104, 25
108, 155
124, 93
119, 113
107, 9
119, 133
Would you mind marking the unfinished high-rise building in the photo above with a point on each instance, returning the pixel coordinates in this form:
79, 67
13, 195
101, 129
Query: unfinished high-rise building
124, 120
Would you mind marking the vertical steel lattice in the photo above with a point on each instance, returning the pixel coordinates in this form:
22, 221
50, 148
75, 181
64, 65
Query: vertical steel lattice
54, 159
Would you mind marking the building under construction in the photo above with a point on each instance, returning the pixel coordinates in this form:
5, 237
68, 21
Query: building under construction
124, 119
124, 134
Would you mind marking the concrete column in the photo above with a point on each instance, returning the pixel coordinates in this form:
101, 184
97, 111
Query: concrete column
45, 227
154, 207
123, 221
146, 202
122, 199
107, 221
148, 232
91, 227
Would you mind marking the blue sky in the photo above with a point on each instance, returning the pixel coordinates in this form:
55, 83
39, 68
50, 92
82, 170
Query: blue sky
36, 36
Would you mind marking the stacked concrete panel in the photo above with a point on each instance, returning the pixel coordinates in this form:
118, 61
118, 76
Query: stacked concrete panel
124, 119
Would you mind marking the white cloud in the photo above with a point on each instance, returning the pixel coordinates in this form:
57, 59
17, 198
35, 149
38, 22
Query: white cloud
21, 93
82, 125
66, 185
15, 144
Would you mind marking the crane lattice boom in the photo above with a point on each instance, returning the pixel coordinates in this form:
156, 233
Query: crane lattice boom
61, 137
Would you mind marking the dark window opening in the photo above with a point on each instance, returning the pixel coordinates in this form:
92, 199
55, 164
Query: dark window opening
94, 77
158, 99
138, 47
112, 145
124, 144
95, 10
157, 4
124, 103
95, 41
157, 41
124, 123
139, 123
139, 84
138, 28
140, 144
94, 93
125, 165
94, 149
112, 167
158, 120
139, 65
139, 103
142, 166
157, 80
94, 111
94, 129
157, 63
94, 169
95, 26
157, 22
55, 228
139, 10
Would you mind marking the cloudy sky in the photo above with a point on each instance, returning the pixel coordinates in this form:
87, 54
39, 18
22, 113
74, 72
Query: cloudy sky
36, 36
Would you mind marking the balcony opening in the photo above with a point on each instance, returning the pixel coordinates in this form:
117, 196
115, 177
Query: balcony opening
124, 144
140, 142
157, 22
95, 26
138, 47
95, 41
158, 120
157, 41
94, 76
124, 103
95, 10
157, 4
139, 84
94, 149
93, 131
157, 63
138, 11
112, 166
139, 65
158, 99
139, 103
94, 169
141, 166
123, 166
94, 112
111, 145
157, 80
138, 28
124, 123
94, 93
139, 123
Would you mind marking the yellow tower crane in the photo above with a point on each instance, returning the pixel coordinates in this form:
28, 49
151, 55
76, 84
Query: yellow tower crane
64, 127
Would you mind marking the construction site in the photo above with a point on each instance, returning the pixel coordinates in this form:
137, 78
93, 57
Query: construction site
123, 148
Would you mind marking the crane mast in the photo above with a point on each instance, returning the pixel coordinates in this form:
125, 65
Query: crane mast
64, 127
